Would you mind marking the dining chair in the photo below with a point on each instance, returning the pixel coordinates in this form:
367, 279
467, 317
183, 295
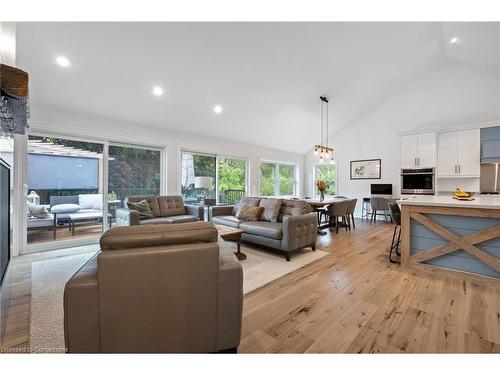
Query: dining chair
395, 213
379, 204
351, 207
336, 211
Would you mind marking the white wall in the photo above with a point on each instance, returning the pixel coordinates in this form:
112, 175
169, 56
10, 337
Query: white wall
446, 96
60, 122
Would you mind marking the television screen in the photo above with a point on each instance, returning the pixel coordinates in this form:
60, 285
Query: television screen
381, 189
4, 218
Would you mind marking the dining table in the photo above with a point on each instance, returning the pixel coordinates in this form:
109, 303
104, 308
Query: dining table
318, 206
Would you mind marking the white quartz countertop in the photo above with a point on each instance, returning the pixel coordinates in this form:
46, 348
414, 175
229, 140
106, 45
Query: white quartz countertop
481, 201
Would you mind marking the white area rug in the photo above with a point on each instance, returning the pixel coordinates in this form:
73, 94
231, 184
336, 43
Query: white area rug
48, 278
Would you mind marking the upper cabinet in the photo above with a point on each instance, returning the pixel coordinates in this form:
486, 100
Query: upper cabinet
459, 153
418, 150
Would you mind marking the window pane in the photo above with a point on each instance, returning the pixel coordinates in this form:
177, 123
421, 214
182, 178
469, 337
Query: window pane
62, 171
198, 177
267, 179
132, 171
231, 180
286, 179
326, 173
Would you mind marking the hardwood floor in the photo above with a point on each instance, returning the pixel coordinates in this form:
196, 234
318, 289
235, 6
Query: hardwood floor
351, 301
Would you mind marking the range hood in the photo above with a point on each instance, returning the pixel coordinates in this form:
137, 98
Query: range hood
490, 145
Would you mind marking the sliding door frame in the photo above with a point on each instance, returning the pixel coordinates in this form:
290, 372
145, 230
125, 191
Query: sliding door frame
54, 245
217, 157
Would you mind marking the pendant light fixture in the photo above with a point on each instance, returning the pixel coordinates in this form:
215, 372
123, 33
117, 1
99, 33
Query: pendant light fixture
322, 150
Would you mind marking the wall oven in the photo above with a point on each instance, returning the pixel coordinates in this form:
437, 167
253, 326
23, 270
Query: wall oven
418, 181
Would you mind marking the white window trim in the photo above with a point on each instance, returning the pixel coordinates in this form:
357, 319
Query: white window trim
54, 245
276, 176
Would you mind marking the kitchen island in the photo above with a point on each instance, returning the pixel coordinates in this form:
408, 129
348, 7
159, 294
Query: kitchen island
444, 235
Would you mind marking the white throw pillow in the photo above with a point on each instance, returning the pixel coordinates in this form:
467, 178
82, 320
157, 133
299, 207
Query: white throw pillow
90, 201
65, 208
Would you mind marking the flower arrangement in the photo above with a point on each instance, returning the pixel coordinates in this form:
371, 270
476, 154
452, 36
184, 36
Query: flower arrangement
322, 186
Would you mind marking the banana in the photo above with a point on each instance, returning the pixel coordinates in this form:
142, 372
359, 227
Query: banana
461, 194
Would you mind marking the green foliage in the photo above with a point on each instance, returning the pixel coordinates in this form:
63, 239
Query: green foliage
231, 174
286, 179
204, 165
267, 171
326, 173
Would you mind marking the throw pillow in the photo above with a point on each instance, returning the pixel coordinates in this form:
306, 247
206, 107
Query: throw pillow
142, 207
38, 211
65, 208
271, 209
250, 213
247, 202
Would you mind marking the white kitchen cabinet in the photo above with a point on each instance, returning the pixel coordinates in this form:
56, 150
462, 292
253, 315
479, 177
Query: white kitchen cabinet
459, 154
418, 150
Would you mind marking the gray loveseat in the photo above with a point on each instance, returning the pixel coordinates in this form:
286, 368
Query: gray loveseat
167, 209
296, 226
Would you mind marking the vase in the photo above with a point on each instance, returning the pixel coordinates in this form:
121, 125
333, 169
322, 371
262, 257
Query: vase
321, 195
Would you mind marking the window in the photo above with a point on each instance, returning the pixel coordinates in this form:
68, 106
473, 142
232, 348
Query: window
328, 174
277, 179
66, 177
132, 171
198, 177
232, 179
212, 176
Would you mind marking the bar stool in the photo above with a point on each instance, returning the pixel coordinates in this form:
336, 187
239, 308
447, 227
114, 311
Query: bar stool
395, 213
366, 208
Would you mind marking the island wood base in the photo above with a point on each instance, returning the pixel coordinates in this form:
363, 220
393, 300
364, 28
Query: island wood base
429, 235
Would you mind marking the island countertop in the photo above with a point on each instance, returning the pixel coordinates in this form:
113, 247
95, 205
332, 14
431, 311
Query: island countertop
491, 202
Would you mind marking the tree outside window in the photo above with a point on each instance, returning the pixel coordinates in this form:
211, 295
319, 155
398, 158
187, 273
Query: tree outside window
328, 174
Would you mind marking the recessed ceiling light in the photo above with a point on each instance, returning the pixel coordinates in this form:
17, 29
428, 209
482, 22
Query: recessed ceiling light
157, 90
218, 109
63, 61
454, 40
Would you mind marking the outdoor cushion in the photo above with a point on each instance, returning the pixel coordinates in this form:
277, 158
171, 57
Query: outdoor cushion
38, 211
263, 229
271, 209
250, 213
228, 220
90, 201
65, 208
181, 219
41, 223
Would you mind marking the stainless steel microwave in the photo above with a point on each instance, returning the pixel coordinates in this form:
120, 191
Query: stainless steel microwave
418, 181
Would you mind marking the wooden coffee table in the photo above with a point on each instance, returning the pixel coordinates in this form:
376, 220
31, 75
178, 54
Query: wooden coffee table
232, 234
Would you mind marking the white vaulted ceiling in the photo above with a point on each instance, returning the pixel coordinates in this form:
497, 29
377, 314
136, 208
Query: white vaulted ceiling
267, 76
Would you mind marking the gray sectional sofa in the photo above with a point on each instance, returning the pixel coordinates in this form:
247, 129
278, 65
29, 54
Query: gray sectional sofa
168, 209
296, 225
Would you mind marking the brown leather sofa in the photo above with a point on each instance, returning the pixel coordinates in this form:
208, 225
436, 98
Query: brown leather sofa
295, 228
156, 289
166, 209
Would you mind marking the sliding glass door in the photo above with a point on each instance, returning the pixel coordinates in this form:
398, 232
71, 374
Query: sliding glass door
212, 176
65, 189
232, 179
